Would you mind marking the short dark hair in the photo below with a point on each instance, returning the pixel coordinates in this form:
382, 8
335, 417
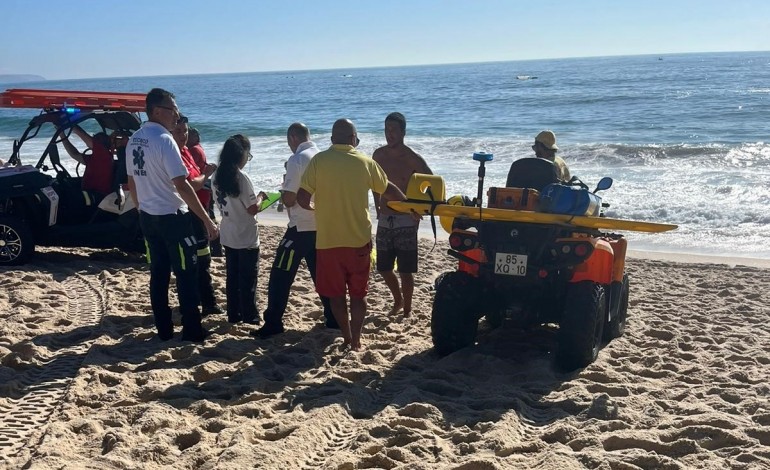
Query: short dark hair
299, 131
399, 118
155, 97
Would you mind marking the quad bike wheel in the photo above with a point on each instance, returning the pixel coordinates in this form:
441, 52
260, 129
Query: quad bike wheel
581, 327
16, 243
454, 320
619, 310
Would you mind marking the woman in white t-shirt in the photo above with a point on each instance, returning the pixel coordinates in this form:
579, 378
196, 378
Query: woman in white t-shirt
238, 231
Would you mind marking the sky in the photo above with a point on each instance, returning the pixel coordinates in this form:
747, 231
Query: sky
95, 39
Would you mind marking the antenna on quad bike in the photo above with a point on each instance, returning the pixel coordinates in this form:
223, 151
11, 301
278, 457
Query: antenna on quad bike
482, 158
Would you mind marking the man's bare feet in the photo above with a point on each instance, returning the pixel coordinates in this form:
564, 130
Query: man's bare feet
397, 306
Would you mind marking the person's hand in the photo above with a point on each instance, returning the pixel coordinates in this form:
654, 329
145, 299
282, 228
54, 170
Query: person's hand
415, 216
209, 169
212, 231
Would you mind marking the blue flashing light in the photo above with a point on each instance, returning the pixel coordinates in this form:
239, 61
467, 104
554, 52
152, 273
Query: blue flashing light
483, 157
69, 110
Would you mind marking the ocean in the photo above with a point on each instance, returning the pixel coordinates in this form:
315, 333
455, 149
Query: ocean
683, 136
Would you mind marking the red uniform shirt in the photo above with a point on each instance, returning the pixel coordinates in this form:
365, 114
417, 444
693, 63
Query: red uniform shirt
99, 171
204, 195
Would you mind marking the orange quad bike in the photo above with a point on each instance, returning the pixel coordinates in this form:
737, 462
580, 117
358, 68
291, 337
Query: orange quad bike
541, 252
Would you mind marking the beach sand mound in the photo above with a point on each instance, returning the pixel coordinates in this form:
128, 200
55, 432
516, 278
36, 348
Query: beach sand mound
85, 383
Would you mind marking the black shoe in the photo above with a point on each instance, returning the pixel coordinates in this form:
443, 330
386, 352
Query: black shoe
253, 322
166, 335
266, 332
196, 338
211, 310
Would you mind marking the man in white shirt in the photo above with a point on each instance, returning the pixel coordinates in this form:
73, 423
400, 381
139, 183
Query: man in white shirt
158, 182
299, 240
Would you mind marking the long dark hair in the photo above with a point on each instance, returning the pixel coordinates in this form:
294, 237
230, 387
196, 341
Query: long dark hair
226, 177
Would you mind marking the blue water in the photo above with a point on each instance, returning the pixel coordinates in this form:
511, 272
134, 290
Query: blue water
684, 136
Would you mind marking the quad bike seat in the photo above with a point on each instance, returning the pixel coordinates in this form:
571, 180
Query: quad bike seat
531, 172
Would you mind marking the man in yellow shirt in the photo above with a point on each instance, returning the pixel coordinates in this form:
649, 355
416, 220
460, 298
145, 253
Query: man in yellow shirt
340, 178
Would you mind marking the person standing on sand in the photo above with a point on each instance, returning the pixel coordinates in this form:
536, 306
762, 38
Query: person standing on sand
157, 179
198, 178
396, 239
199, 155
340, 179
239, 205
298, 242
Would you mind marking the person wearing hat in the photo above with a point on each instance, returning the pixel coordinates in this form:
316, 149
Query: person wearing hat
545, 147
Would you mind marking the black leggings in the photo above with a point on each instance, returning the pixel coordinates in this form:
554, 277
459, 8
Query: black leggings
241, 284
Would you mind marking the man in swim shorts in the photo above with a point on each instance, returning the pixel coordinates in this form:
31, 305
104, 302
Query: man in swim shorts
397, 232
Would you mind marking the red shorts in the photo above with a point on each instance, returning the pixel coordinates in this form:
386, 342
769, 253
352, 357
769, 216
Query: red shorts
341, 269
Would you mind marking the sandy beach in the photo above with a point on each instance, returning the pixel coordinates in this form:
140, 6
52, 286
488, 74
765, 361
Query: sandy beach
86, 384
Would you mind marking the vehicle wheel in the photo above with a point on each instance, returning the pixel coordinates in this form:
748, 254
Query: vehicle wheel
617, 324
16, 242
581, 326
454, 320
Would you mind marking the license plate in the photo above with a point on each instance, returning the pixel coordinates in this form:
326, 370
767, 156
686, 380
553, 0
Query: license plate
511, 264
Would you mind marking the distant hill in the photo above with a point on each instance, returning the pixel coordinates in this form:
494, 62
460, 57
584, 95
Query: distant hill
18, 78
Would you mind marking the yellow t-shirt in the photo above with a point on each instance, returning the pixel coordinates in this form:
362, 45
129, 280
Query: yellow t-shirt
340, 178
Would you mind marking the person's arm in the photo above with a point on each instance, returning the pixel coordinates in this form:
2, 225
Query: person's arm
84, 136
72, 150
392, 193
291, 181
288, 198
377, 197
256, 208
132, 190
377, 201
191, 199
197, 182
303, 199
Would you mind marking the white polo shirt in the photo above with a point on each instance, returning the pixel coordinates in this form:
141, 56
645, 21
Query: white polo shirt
153, 160
301, 218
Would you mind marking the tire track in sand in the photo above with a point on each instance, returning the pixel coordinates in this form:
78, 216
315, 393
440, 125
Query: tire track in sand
38, 391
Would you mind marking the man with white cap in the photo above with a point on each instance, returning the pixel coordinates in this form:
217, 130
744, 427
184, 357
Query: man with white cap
545, 147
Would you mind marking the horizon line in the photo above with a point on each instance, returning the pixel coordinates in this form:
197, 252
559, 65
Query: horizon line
366, 67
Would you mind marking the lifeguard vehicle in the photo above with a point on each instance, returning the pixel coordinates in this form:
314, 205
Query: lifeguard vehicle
540, 253
41, 202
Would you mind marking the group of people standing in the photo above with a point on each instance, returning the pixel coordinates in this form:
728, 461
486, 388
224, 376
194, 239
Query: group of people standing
326, 194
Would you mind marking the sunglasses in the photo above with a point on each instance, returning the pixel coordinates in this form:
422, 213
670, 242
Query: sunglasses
175, 110
250, 156
182, 120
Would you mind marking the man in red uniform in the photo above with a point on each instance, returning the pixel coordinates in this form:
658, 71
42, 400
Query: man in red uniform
199, 155
197, 179
100, 165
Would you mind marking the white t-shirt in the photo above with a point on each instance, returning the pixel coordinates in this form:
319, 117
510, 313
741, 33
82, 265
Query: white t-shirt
153, 160
238, 229
303, 219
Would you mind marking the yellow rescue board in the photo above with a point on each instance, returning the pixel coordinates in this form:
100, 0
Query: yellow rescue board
507, 215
